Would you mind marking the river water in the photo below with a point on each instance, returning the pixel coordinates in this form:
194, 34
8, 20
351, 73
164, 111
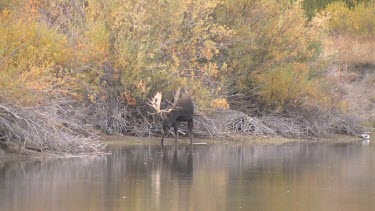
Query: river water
289, 176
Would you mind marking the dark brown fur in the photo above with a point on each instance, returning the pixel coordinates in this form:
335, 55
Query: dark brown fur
183, 112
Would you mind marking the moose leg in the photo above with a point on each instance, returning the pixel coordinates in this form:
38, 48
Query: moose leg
165, 132
162, 138
175, 126
190, 127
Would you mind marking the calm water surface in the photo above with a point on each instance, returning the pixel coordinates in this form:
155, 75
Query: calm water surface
293, 176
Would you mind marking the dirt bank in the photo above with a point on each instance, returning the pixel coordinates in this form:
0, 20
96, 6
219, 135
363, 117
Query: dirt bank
358, 85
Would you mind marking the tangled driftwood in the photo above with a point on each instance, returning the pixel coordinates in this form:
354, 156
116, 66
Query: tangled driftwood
113, 115
65, 127
320, 124
51, 128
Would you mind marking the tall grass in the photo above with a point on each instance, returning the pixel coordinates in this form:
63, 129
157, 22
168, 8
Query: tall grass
349, 50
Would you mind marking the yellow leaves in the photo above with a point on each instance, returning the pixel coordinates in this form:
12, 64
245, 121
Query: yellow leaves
94, 45
38, 76
213, 69
33, 54
351, 32
209, 49
92, 98
267, 35
289, 84
173, 43
175, 59
148, 45
356, 22
141, 86
5, 15
220, 103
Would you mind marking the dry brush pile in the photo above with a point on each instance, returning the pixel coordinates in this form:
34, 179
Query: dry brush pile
66, 127
116, 116
55, 129
224, 122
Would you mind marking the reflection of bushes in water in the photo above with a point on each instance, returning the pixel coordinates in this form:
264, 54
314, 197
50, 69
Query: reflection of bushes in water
32, 180
59, 169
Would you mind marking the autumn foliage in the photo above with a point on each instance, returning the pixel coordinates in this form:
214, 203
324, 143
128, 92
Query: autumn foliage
263, 49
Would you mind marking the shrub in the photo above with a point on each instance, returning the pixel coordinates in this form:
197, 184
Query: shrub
32, 54
162, 45
272, 47
290, 85
357, 22
351, 32
40, 58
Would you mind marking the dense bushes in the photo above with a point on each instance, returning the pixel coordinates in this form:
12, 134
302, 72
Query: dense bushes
30, 54
39, 60
270, 40
311, 7
350, 32
116, 54
160, 46
214, 48
357, 22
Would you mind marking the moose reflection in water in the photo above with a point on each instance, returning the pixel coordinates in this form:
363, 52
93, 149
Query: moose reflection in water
180, 161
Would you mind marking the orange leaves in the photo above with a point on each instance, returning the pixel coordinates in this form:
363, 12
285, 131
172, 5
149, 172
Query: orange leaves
93, 45
128, 98
220, 103
33, 54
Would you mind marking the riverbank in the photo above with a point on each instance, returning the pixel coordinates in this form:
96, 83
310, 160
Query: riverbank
44, 133
69, 128
232, 139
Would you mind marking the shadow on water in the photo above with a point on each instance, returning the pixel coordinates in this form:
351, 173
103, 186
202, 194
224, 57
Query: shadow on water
291, 176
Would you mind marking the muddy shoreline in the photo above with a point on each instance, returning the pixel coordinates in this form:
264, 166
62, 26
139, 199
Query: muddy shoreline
12, 154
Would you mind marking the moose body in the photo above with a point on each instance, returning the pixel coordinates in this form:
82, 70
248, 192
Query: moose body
182, 110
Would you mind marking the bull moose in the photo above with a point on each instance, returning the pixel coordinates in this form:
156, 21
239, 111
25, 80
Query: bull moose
182, 110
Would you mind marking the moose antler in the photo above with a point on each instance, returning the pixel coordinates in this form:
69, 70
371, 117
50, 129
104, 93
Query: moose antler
156, 100
176, 97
